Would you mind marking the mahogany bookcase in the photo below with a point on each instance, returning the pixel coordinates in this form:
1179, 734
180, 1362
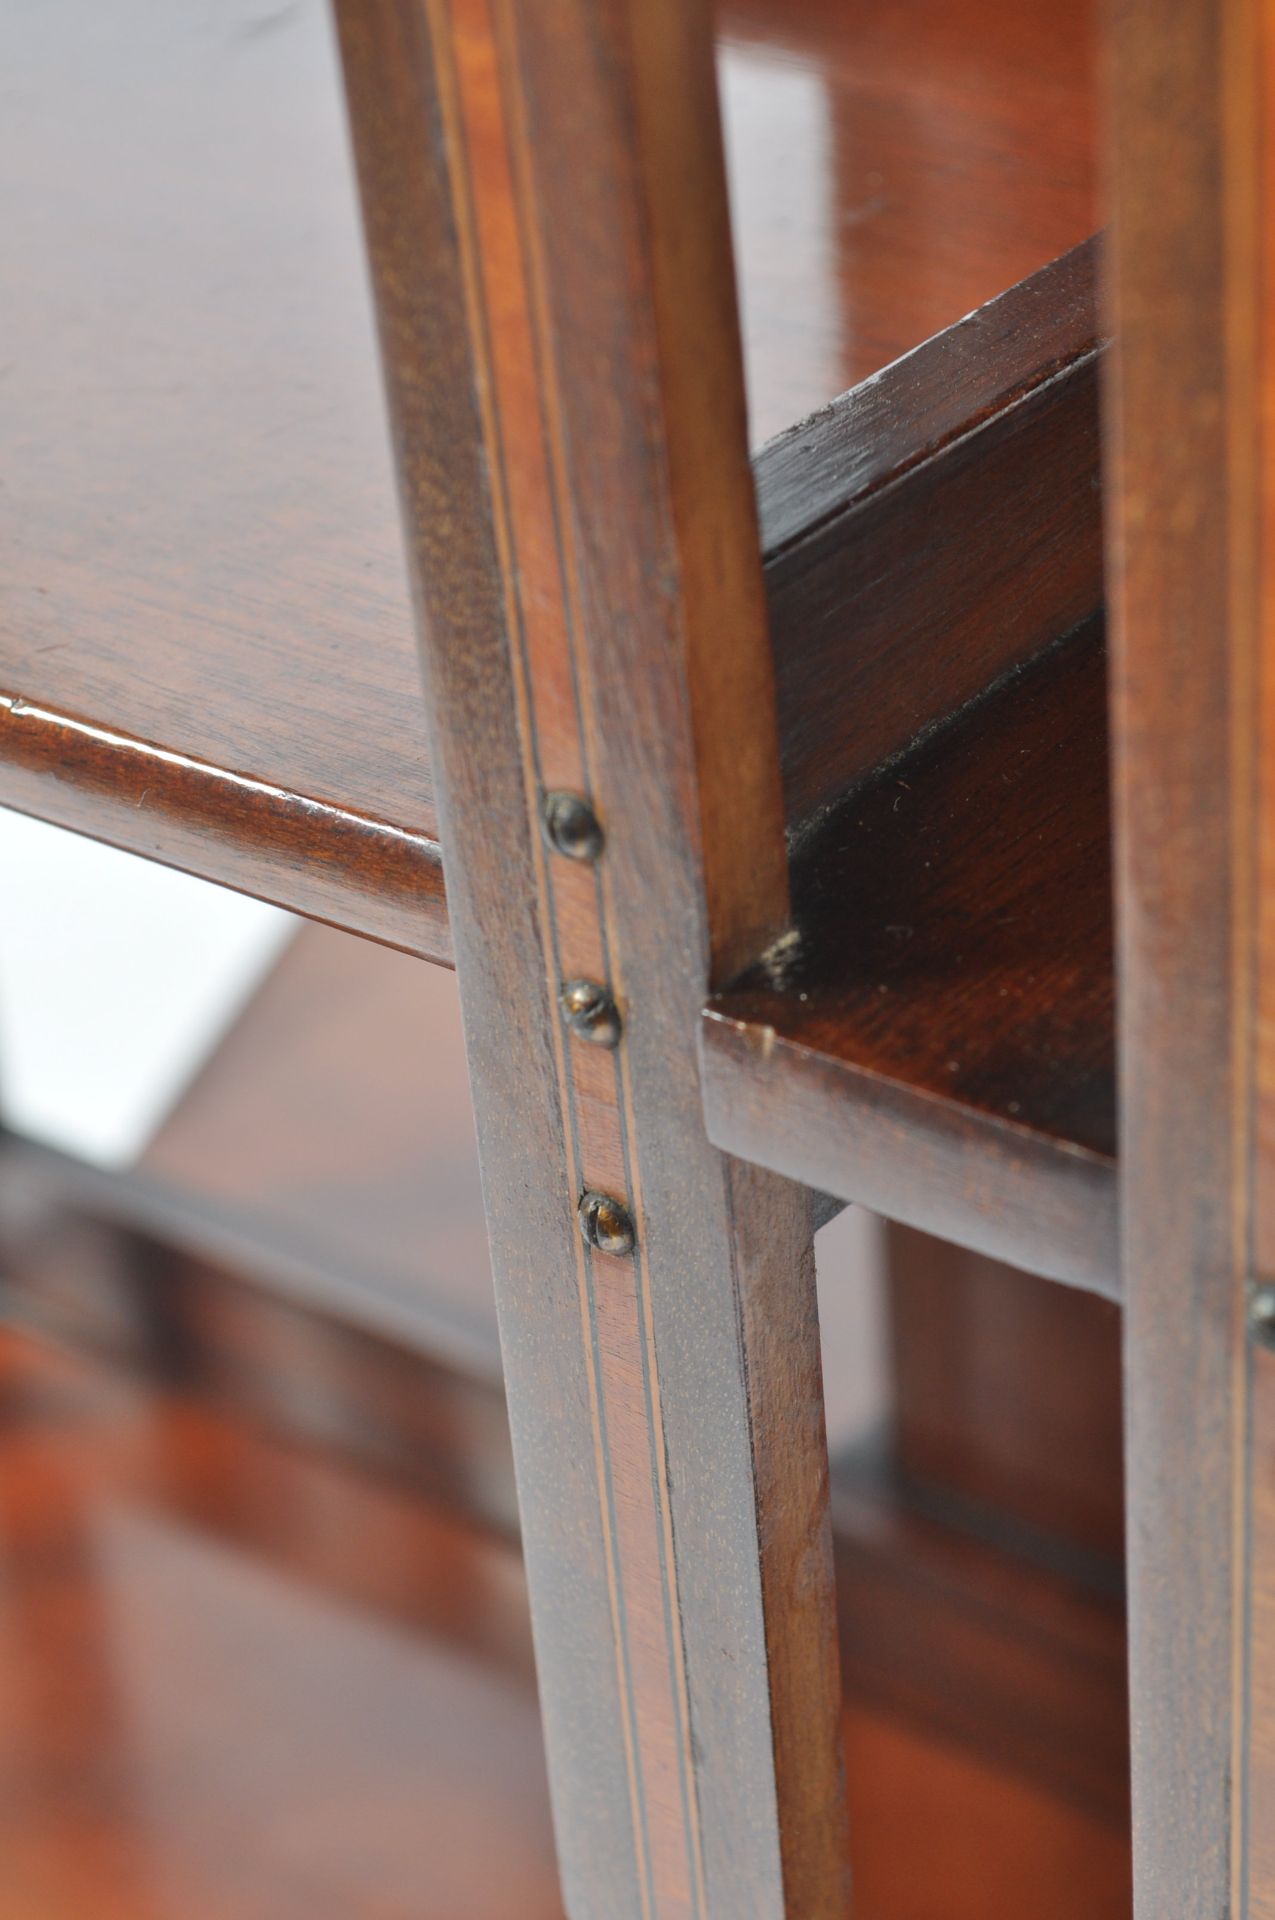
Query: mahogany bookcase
758, 793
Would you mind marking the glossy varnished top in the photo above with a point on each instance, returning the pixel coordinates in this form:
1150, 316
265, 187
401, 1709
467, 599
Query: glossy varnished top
205, 642
938, 1039
893, 167
246, 1680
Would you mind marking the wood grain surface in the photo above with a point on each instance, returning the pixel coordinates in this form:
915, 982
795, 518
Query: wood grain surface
1257, 474
933, 528
204, 628
326, 1147
1007, 1400
937, 1040
892, 168
1189, 490
245, 1677
545, 207
205, 642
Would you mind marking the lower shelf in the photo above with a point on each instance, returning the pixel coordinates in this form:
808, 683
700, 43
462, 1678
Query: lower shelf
326, 1148
937, 1039
245, 1678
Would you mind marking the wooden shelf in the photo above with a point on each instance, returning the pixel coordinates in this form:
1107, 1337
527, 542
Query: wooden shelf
303, 1238
325, 1151
937, 1040
273, 1685
206, 644
889, 617
206, 651
892, 168
241, 1677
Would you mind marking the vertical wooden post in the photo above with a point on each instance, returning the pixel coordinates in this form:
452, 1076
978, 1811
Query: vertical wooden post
1190, 488
545, 209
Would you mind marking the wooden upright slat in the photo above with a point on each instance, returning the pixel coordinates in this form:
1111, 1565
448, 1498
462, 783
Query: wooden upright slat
545, 208
1191, 483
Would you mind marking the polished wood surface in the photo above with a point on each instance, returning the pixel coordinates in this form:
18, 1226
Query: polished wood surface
304, 1240
242, 1679
304, 1234
1007, 1402
289, 1357
965, 1636
581, 531
1190, 481
333, 1126
1261, 1622
205, 619
205, 653
1258, 443
970, 1605
937, 1042
239, 1681
893, 167
933, 528
326, 1148
546, 215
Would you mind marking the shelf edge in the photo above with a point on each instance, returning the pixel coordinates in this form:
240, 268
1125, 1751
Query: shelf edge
309, 856
1037, 1203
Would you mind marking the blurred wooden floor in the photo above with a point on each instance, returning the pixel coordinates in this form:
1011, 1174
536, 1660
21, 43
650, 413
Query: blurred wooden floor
241, 1680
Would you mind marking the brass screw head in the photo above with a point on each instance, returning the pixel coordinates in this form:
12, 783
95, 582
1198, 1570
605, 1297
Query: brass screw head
590, 1012
571, 826
607, 1224
1261, 1315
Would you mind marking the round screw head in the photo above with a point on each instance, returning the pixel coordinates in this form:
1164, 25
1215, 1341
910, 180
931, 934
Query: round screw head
571, 826
1261, 1315
590, 1012
607, 1224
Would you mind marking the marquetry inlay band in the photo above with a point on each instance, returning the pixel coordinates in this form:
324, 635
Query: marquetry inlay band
500, 215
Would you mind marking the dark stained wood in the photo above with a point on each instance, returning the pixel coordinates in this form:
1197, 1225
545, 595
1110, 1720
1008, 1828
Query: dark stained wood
969, 1638
303, 1237
893, 167
936, 1040
1007, 1406
206, 657
241, 1678
333, 1126
1254, 228
1261, 1654
1261, 1663
1190, 480
545, 207
934, 527
326, 1148
201, 549
290, 1360
973, 1841
1003, 1385
886, 613
316, 856
993, 1644
205, 645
